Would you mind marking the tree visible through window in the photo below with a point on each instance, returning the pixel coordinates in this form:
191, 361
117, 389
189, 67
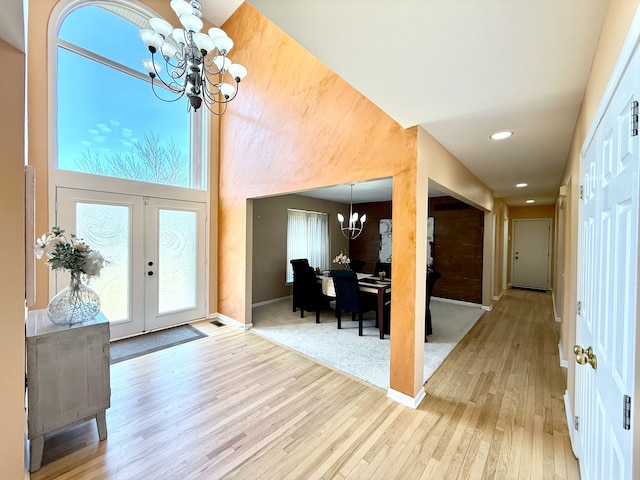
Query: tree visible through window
307, 237
109, 121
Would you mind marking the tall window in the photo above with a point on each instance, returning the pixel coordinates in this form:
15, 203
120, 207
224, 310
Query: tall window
108, 120
307, 237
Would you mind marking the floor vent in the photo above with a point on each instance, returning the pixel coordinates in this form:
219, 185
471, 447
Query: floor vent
217, 323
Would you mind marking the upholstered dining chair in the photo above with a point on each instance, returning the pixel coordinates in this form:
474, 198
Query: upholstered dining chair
382, 267
357, 265
431, 280
298, 265
349, 299
309, 292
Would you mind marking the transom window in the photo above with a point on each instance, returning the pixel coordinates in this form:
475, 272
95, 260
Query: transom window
108, 120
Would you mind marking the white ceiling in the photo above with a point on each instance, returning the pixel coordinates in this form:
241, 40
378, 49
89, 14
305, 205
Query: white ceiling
462, 69
12, 24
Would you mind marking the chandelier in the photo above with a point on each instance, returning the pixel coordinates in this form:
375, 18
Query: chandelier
195, 63
352, 230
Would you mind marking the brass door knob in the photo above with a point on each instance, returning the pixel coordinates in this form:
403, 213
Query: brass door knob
585, 356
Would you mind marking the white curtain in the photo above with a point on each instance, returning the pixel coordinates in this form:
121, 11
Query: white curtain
307, 237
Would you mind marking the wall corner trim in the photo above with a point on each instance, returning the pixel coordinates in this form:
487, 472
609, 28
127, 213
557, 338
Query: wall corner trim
406, 400
563, 361
570, 423
230, 321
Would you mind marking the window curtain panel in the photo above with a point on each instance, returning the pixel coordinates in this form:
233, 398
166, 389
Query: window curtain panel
307, 237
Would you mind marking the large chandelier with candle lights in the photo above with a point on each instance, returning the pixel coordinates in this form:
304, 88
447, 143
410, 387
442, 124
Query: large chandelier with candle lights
194, 64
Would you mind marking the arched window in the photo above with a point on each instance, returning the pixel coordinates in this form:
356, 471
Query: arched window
108, 120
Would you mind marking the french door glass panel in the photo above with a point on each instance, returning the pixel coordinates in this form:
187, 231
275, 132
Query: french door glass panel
176, 262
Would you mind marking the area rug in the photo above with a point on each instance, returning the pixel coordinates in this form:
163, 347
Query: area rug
128, 348
366, 357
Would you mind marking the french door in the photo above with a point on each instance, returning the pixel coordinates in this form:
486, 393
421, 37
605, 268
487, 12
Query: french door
156, 254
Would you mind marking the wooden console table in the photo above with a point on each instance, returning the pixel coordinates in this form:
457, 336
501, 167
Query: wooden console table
68, 378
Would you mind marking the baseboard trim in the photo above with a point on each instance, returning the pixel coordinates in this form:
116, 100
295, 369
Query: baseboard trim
406, 400
567, 409
563, 361
268, 302
457, 302
230, 321
557, 317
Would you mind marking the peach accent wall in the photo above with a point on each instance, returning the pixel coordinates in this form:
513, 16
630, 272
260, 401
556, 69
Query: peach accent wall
614, 31
450, 174
296, 125
12, 122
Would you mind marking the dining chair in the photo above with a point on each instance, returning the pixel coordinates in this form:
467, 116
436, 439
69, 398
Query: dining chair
350, 299
357, 265
382, 267
309, 293
432, 276
298, 265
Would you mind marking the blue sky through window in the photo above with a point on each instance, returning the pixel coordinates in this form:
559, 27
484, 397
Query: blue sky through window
101, 110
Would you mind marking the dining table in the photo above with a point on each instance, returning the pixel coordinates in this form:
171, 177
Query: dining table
368, 283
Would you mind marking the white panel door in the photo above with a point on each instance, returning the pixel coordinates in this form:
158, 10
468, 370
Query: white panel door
156, 275
607, 289
531, 253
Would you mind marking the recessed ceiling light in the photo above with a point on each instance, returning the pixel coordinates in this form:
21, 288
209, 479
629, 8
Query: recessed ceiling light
531, 201
501, 135
522, 185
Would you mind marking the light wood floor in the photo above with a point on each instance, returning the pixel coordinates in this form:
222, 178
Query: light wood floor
236, 406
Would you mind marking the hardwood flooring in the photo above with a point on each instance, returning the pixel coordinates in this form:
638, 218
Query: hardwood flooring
234, 405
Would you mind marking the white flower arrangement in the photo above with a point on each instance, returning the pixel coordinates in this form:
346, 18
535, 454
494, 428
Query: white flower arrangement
342, 259
69, 254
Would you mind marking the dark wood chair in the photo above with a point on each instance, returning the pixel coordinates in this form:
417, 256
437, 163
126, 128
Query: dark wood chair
349, 299
431, 280
298, 265
357, 265
309, 292
383, 267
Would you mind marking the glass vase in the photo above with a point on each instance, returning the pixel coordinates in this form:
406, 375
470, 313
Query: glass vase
76, 303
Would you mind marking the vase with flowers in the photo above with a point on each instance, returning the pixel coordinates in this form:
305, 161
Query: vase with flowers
343, 260
76, 303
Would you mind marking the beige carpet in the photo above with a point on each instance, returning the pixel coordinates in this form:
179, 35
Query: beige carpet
365, 357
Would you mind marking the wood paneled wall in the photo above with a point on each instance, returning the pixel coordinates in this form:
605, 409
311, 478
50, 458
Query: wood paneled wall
457, 249
367, 245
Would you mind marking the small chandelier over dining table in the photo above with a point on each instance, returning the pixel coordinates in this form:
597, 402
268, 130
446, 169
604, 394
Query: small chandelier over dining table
195, 63
352, 230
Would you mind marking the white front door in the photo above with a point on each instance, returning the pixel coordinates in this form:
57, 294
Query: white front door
156, 275
608, 264
531, 253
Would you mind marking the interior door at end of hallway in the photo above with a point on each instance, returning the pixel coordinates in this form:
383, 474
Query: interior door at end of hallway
175, 262
531, 253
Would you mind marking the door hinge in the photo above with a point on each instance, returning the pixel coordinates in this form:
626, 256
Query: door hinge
581, 192
576, 423
634, 118
579, 308
626, 415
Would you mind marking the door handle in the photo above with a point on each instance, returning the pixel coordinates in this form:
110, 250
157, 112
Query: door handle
585, 356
